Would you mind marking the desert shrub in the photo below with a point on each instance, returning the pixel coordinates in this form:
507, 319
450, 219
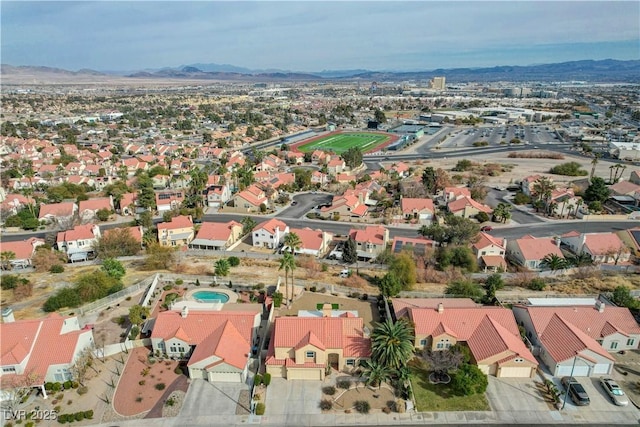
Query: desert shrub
569, 169
62, 418
326, 404
82, 390
170, 401
48, 386
482, 217
362, 406
521, 199
56, 268
139, 399
343, 384
234, 261
79, 416
44, 259
257, 380
179, 282
260, 408
160, 386
11, 281
67, 385
88, 414
142, 382
167, 287
56, 387
266, 379
537, 284
329, 390
178, 370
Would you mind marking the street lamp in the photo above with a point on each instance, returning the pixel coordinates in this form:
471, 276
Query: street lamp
566, 393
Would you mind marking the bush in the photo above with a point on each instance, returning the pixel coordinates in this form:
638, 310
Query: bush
482, 217
79, 416
160, 386
67, 385
260, 408
62, 418
56, 387
167, 287
56, 268
326, 404
178, 370
82, 390
266, 379
135, 330
179, 282
142, 382
386, 410
170, 401
88, 414
569, 169
48, 386
469, 380
344, 384
537, 284
329, 390
234, 261
362, 406
257, 380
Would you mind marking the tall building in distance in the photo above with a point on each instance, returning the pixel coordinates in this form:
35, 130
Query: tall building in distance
438, 83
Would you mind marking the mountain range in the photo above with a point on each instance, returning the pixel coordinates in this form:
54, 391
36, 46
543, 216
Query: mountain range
597, 71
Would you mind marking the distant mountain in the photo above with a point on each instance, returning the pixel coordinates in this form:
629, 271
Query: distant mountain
608, 70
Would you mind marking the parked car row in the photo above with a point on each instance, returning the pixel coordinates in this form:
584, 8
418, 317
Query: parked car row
579, 395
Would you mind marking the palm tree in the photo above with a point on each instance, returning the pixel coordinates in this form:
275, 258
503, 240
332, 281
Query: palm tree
293, 242
376, 373
580, 260
288, 264
502, 211
5, 258
392, 343
579, 203
543, 189
553, 262
594, 162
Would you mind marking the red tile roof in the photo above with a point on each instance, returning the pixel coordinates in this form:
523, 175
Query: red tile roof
310, 239
271, 225
217, 230
459, 204
79, 232
371, 234
56, 209
491, 338
227, 343
563, 341
134, 231
95, 204
411, 205
486, 240
537, 248
22, 249
180, 221
603, 243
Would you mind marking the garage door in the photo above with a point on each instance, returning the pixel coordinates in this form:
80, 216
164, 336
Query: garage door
601, 368
514, 372
304, 374
578, 371
227, 377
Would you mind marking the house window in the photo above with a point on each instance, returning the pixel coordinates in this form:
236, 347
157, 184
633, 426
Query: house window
423, 342
310, 354
9, 369
614, 345
443, 344
257, 234
172, 349
631, 342
173, 243
351, 362
181, 349
483, 253
518, 360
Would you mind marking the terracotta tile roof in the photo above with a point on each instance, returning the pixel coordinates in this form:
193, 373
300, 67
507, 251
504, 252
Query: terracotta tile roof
493, 261
462, 202
310, 239
250, 196
128, 199
38, 338
330, 332
310, 339
227, 343
624, 188
371, 234
411, 205
486, 240
563, 341
603, 243
456, 192
360, 210
95, 204
79, 232
400, 305
56, 209
491, 339
22, 249
177, 222
271, 225
537, 248
217, 230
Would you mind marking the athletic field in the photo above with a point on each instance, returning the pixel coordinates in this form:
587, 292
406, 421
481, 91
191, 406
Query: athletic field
341, 142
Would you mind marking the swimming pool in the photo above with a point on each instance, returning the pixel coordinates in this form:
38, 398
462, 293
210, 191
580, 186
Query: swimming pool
210, 296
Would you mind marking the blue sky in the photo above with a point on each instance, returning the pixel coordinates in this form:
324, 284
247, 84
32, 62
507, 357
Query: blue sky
316, 35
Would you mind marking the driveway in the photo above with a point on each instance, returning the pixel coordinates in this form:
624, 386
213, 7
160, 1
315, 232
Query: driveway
305, 203
517, 396
293, 397
205, 399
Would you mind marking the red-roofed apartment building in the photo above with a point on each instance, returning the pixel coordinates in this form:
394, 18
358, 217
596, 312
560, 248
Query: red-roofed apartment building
301, 348
576, 340
217, 343
79, 242
529, 251
312, 242
269, 234
217, 236
43, 349
490, 333
490, 252
603, 248
371, 241
178, 232
23, 251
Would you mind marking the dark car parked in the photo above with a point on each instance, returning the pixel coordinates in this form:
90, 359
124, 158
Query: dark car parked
576, 391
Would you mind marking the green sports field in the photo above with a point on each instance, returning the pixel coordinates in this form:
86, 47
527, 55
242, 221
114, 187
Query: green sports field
341, 142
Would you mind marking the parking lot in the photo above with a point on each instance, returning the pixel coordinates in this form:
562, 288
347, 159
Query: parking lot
532, 135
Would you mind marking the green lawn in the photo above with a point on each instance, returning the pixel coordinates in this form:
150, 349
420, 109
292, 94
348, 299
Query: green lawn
439, 397
339, 143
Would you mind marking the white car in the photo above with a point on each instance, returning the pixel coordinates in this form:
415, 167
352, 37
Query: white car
614, 391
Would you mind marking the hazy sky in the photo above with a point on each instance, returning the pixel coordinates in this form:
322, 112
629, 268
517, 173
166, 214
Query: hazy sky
316, 35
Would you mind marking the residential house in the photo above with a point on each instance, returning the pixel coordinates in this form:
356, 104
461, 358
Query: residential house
312, 242
217, 195
526, 185
269, 234
169, 200
79, 242
400, 168
177, 232
344, 178
529, 251
490, 333
217, 236
128, 204
415, 245
319, 157
250, 199
466, 207
345, 206
301, 348
270, 163
564, 202
320, 178
280, 179
22, 250
42, 349
624, 188
453, 193
577, 340
13, 203
295, 157
336, 166
420, 210
60, 213
370, 241
88, 209
603, 248
217, 344
490, 252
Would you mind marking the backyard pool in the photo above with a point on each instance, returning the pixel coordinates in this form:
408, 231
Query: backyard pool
210, 296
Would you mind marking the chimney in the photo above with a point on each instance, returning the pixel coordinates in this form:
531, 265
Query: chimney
184, 312
7, 315
440, 308
326, 309
557, 241
600, 306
